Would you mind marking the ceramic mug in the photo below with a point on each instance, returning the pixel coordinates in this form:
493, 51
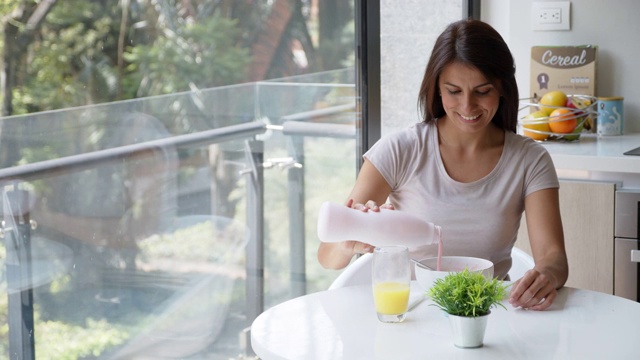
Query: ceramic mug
610, 115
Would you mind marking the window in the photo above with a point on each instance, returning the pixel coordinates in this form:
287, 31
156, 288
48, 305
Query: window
162, 162
170, 156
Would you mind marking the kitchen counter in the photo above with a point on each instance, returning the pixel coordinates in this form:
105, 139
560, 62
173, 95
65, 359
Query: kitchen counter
600, 154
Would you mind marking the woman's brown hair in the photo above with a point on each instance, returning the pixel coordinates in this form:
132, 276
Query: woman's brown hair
476, 44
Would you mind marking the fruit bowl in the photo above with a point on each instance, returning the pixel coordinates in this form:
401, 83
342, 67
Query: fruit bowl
544, 122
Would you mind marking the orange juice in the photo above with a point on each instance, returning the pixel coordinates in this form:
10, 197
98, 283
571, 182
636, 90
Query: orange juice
391, 298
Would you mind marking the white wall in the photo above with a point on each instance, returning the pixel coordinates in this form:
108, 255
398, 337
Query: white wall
613, 25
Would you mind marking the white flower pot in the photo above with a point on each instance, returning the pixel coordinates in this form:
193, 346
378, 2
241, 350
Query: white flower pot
468, 332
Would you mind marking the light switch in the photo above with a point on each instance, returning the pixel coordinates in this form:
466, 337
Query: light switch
550, 15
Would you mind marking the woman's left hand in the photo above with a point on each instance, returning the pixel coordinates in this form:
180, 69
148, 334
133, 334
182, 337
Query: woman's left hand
536, 290
369, 205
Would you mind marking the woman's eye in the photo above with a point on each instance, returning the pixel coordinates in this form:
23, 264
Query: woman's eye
480, 93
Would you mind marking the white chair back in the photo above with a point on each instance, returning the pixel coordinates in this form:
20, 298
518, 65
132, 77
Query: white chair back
522, 262
356, 273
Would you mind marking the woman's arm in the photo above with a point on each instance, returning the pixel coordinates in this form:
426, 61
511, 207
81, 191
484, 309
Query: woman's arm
369, 191
536, 290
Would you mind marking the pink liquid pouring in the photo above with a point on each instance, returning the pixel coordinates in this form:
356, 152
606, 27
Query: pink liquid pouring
439, 239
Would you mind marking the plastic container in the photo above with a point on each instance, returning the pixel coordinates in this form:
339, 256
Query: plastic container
610, 115
338, 223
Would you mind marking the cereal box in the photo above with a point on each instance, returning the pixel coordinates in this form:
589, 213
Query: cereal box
570, 69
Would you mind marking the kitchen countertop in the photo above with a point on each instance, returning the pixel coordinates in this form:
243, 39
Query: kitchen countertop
594, 153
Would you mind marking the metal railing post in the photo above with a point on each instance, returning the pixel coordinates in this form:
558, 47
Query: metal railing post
296, 131
297, 246
255, 220
16, 229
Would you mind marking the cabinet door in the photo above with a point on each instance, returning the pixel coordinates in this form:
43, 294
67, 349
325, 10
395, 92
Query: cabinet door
587, 210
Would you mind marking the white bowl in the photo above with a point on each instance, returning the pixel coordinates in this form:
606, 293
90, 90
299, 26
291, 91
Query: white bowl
449, 264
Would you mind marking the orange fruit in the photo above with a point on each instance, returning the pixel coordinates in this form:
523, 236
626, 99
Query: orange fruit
536, 121
562, 121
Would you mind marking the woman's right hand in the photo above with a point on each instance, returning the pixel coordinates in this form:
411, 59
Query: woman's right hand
353, 247
338, 255
369, 185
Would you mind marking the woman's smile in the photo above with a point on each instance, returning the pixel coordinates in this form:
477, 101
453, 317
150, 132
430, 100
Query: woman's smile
469, 118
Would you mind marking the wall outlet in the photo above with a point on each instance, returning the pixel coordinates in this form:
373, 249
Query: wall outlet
550, 15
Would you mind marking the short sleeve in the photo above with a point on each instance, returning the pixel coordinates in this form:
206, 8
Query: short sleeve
394, 156
540, 171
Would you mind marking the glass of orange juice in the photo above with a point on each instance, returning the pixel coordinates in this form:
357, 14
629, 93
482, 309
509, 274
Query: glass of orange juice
391, 279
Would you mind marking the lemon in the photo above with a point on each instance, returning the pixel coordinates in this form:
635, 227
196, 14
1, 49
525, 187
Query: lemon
554, 98
536, 121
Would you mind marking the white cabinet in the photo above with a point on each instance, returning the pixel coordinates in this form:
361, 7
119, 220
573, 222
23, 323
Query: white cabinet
587, 210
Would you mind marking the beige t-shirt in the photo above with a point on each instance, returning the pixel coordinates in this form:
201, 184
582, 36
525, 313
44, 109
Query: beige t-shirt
480, 218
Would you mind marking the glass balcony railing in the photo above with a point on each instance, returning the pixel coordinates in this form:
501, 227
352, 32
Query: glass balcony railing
162, 227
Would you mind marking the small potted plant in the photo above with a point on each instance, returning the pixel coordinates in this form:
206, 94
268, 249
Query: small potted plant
468, 298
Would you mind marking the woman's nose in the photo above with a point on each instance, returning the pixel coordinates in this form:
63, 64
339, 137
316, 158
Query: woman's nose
468, 102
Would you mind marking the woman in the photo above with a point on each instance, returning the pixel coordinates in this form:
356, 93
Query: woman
465, 168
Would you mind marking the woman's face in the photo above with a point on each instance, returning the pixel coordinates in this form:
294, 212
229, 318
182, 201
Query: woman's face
468, 98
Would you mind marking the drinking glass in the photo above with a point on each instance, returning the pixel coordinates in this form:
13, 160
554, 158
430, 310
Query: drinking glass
391, 280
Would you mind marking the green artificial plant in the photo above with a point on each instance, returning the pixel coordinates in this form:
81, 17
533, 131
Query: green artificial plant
467, 294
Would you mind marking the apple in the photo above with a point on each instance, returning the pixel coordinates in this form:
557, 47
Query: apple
552, 100
574, 108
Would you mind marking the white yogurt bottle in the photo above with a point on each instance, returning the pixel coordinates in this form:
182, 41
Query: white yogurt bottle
387, 227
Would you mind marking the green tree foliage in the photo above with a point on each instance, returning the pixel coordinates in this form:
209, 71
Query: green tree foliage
89, 52
336, 34
203, 54
71, 62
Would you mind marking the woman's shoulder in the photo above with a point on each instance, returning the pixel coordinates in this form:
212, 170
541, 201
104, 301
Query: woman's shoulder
418, 129
528, 152
415, 134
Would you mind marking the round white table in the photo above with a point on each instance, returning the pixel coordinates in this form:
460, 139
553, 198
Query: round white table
342, 324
